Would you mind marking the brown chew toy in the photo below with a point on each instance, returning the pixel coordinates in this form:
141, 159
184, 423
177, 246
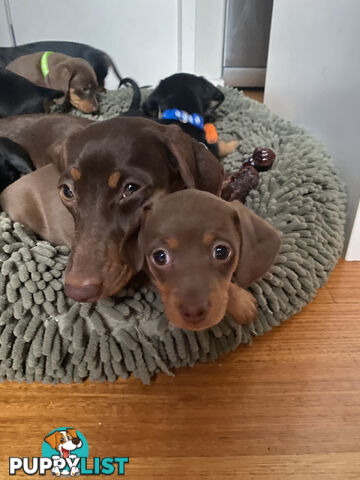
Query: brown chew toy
262, 159
237, 185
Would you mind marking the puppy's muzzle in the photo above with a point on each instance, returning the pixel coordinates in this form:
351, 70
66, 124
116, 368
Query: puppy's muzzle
194, 312
86, 291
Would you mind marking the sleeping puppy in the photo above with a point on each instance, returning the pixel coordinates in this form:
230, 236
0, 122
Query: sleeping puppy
190, 101
201, 252
14, 162
73, 76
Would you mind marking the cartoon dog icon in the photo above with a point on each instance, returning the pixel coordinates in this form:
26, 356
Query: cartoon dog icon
65, 442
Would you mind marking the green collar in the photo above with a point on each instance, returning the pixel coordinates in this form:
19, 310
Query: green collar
44, 63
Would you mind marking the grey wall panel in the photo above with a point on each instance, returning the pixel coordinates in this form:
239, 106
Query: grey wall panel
313, 78
247, 30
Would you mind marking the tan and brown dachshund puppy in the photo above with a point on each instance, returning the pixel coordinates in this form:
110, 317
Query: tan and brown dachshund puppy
99, 60
36, 132
33, 201
74, 76
108, 170
194, 244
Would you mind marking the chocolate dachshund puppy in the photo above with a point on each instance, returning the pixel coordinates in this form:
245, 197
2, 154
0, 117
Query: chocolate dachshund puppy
99, 60
201, 252
73, 76
108, 170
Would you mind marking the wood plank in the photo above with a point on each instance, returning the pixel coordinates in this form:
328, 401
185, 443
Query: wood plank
255, 93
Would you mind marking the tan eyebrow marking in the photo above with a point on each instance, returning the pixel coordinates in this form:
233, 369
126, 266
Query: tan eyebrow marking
208, 238
75, 173
114, 179
172, 243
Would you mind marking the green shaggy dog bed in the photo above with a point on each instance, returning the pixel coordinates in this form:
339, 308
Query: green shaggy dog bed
47, 337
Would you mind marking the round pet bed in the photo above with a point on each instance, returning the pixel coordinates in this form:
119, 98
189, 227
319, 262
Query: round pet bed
47, 337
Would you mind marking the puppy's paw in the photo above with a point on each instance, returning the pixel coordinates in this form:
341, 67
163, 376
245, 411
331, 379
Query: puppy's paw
241, 305
226, 148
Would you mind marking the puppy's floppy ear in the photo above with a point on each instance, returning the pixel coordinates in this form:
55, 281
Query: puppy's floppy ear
198, 167
217, 97
59, 78
52, 439
260, 243
151, 106
214, 98
58, 154
132, 247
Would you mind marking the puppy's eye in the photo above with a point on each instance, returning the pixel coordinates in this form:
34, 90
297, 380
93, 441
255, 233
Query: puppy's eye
86, 90
221, 252
66, 192
160, 257
62, 440
129, 189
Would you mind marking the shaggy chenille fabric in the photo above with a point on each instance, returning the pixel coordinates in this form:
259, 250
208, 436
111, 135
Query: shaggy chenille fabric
47, 337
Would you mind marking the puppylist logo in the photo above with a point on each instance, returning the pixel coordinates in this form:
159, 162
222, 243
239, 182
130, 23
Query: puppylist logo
65, 453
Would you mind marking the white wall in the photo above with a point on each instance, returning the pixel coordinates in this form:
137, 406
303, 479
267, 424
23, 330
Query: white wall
353, 251
147, 39
140, 35
209, 39
313, 78
201, 37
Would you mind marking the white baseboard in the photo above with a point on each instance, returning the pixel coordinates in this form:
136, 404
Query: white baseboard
353, 250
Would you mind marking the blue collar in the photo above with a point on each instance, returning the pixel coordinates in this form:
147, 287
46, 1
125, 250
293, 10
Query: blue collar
184, 117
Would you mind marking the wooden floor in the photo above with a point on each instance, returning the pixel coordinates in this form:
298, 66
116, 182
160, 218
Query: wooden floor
255, 94
287, 407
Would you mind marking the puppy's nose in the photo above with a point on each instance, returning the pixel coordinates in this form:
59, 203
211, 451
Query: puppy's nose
194, 312
83, 291
94, 106
76, 441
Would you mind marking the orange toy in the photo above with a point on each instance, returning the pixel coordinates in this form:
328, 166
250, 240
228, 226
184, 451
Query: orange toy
211, 134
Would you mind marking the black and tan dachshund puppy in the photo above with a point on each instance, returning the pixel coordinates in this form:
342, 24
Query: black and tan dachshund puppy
14, 162
190, 101
18, 95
